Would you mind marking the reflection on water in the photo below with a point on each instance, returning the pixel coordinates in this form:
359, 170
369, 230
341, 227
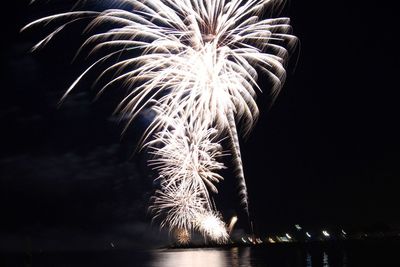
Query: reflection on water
246, 257
308, 260
377, 254
234, 257
344, 259
325, 260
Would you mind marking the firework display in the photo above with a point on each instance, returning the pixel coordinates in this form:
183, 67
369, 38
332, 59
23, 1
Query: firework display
196, 69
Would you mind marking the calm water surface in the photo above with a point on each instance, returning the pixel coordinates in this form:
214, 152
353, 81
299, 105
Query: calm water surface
245, 256
350, 254
353, 255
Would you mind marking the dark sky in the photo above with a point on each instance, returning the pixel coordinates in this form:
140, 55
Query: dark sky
326, 153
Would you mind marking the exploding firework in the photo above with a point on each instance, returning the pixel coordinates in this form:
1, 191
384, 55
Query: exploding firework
182, 236
187, 151
178, 204
197, 69
210, 225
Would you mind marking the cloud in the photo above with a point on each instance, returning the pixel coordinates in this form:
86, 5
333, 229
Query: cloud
73, 189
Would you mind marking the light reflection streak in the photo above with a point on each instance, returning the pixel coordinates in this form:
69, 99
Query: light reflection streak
325, 260
308, 260
243, 257
234, 257
191, 257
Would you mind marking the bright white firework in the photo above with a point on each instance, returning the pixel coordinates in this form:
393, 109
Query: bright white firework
178, 205
199, 59
185, 209
187, 151
210, 225
185, 158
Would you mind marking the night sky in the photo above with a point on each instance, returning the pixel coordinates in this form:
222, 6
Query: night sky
325, 154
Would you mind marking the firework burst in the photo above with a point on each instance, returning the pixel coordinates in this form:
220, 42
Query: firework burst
197, 69
210, 225
182, 236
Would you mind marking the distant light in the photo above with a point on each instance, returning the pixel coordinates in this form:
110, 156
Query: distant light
308, 235
270, 240
343, 232
282, 239
298, 227
288, 236
325, 233
244, 241
112, 245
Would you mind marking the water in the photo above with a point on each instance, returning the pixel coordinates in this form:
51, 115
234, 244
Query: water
379, 254
245, 257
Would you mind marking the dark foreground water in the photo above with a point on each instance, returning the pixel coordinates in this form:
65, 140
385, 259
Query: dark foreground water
363, 254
